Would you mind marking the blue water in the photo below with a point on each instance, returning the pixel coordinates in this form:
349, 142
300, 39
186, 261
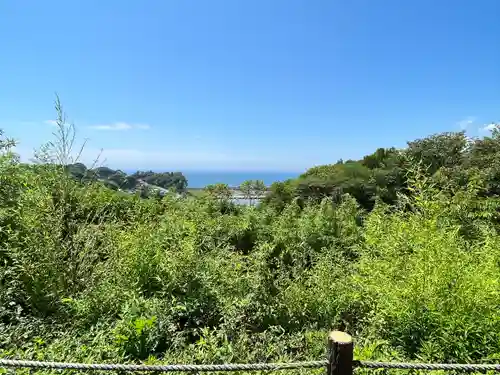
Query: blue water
200, 179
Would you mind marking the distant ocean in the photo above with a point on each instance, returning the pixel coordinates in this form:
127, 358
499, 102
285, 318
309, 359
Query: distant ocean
200, 179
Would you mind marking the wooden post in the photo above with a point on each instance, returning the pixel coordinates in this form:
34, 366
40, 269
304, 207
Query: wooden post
340, 353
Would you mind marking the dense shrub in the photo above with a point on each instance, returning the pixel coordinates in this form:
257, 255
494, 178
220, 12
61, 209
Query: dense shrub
87, 273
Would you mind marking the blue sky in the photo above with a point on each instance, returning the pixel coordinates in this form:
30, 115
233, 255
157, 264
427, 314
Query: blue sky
247, 84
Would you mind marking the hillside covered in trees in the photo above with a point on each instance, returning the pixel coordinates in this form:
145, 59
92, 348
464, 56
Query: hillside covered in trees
449, 160
400, 249
119, 180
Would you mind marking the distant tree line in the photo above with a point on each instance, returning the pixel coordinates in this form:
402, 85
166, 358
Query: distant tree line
117, 179
448, 159
166, 180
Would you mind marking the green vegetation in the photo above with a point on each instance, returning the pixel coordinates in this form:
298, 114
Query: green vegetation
220, 191
119, 180
252, 189
401, 249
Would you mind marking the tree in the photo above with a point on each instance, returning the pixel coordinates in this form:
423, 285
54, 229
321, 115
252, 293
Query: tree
129, 183
179, 182
253, 189
247, 190
335, 180
259, 188
280, 194
166, 180
10, 184
118, 178
103, 172
219, 191
439, 150
382, 158
77, 171
315, 189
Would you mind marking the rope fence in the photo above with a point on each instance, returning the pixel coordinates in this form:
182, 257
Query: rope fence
340, 362
161, 368
428, 366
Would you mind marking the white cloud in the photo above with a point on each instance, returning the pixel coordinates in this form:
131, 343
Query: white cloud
490, 127
54, 123
120, 126
466, 122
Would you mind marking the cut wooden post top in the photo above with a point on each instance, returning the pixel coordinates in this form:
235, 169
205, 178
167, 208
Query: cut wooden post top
340, 337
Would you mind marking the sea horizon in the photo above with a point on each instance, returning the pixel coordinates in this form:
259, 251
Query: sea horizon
200, 179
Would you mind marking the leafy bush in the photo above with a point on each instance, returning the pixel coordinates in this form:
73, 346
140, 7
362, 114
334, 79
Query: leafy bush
404, 257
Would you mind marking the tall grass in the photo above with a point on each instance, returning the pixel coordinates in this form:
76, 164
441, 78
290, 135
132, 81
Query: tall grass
87, 274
